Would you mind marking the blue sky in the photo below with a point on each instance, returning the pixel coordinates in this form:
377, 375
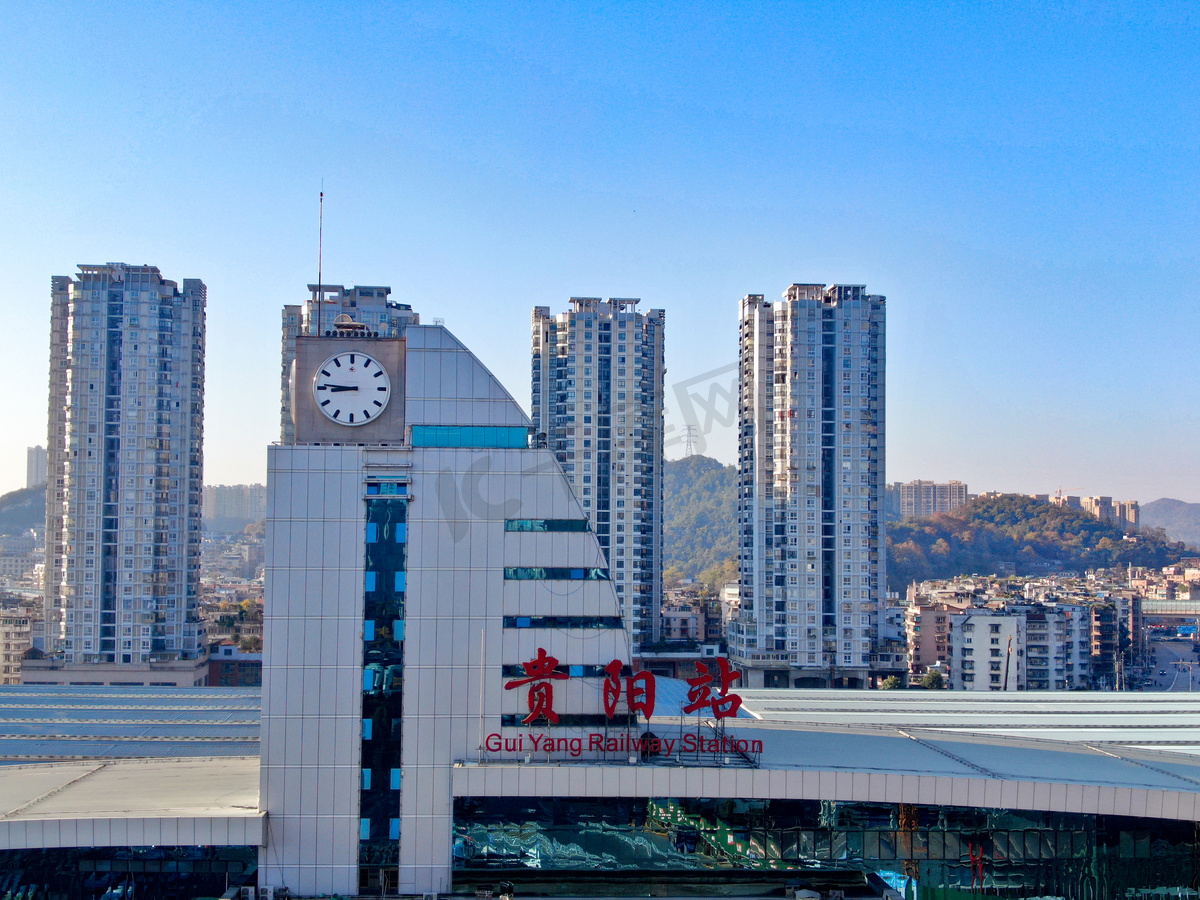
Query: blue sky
1020, 181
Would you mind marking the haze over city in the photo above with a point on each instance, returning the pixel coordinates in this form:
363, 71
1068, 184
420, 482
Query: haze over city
1020, 182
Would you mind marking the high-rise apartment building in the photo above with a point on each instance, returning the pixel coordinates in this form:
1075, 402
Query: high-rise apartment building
125, 478
597, 400
35, 466
334, 308
926, 498
810, 504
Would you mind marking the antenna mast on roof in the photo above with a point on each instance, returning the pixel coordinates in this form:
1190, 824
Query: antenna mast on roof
320, 254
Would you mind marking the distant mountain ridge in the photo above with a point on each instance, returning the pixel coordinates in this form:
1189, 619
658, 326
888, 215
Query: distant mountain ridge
1180, 520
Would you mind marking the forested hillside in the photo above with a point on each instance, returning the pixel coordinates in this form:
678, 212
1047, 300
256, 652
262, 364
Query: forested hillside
1012, 533
1015, 533
23, 509
699, 514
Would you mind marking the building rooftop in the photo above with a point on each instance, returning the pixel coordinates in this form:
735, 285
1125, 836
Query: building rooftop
40, 722
157, 802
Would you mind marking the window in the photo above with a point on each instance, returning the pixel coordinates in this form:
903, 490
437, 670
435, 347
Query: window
545, 525
481, 436
554, 573
563, 622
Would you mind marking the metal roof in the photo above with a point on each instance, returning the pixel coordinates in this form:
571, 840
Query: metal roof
77, 721
1126, 719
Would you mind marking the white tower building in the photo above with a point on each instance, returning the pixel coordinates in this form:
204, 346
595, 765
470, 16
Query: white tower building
433, 593
597, 398
811, 461
123, 499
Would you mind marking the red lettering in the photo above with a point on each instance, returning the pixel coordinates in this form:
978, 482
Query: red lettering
538, 671
700, 691
640, 690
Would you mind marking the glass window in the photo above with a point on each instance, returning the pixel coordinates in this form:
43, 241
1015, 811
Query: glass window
364, 829
545, 524
554, 573
369, 581
563, 622
481, 436
372, 532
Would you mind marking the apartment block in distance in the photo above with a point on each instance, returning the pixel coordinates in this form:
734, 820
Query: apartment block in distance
810, 505
597, 401
926, 498
35, 466
333, 308
235, 501
125, 472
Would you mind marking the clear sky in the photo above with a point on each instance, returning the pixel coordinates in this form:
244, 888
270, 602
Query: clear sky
1019, 179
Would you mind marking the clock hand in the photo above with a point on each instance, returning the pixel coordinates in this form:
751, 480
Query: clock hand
336, 388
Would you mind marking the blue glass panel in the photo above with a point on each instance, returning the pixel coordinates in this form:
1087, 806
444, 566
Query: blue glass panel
369, 630
372, 489
482, 436
364, 829
575, 671
401, 533
523, 621
400, 581
366, 779
367, 723
394, 829
368, 686
398, 629
395, 782
372, 532
369, 581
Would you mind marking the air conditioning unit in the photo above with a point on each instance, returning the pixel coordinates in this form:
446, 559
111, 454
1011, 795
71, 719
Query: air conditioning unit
266, 892
429, 897
247, 893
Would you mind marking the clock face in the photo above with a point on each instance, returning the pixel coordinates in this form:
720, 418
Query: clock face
351, 388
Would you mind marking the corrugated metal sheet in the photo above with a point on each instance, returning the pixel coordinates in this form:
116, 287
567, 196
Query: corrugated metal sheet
73, 721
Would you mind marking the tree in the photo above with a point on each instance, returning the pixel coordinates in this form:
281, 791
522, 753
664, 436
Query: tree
891, 683
251, 643
933, 681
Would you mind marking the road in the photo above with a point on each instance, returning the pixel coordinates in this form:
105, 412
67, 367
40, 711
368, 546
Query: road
1179, 662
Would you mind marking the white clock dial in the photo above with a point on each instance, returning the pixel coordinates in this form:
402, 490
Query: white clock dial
351, 388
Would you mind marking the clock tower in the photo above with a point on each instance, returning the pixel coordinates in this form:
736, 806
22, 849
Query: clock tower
347, 387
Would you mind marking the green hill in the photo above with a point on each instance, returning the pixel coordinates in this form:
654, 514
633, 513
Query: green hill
22, 510
1012, 533
699, 514
1015, 533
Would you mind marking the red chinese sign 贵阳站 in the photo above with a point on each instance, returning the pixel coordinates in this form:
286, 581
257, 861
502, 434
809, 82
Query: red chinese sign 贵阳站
708, 689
